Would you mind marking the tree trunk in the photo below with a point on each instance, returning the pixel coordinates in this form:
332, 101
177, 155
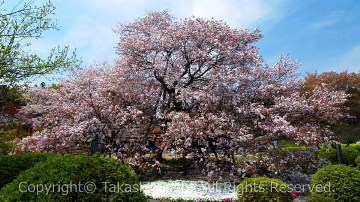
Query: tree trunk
213, 150
339, 154
94, 145
184, 170
158, 156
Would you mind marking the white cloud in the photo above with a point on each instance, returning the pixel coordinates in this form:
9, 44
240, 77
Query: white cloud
324, 23
88, 24
328, 20
350, 60
95, 40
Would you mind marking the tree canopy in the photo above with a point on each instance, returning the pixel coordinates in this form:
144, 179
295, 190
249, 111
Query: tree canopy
348, 129
201, 83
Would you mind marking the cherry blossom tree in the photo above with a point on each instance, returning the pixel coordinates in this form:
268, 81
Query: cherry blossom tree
207, 69
202, 82
93, 104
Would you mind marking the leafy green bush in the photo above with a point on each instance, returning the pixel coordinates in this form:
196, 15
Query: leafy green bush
7, 136
291, 146
357, 161
338, 182
263, 189
75, 178
318, 198
6, 147
355, 146
12, 166
349, 154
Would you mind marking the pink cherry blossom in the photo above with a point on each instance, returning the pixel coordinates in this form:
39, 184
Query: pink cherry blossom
203, 82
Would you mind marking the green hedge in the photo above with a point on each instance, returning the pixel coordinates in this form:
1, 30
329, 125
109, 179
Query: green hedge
349, 154
12, 166
263, 189
338, 182
75, 178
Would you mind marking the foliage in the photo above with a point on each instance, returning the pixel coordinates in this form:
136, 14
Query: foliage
357, 161
338, 182
355, 146
13, 94
55, 86
349, 154
11, 100
292, 146
348, 129
263, 189
5, 147
318, 198
12, 166
76, 171
7, 138
25, 22
19, 64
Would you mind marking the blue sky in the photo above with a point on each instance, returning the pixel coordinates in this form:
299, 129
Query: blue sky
323, 35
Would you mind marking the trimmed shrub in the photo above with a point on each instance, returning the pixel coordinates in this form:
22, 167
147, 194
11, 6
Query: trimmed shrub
12, 166
338, 182
263, 189
75, 178
355, 146
319, 198
357, 161
349, 154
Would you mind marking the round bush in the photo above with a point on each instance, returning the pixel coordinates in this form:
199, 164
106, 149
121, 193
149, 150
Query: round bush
357, 161
338, 182
329, 154
355, 146
319, 198
349, 154
12, 165
263, 189
75, 178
